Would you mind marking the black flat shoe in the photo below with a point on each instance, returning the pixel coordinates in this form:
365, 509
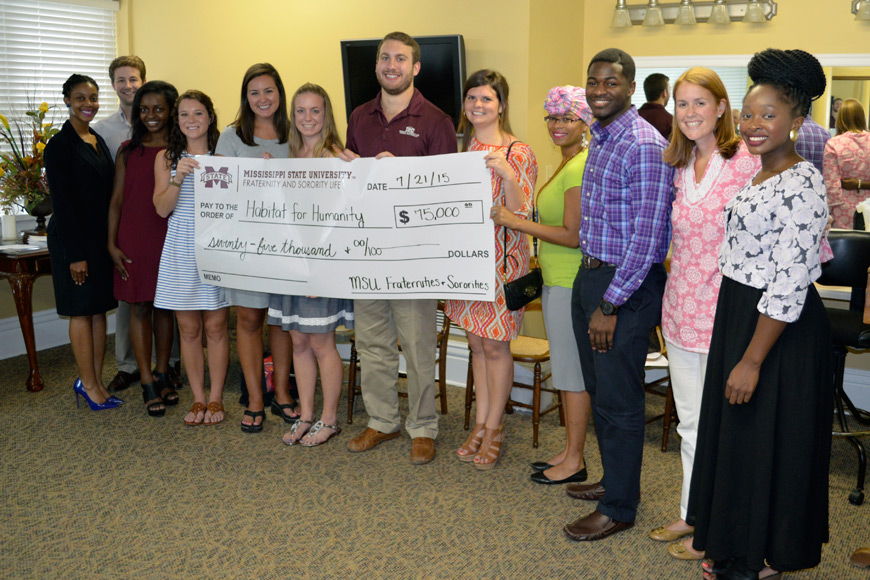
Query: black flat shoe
540, 466
539, 477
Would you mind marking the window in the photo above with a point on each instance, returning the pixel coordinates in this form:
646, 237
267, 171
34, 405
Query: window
43, 42
735, 79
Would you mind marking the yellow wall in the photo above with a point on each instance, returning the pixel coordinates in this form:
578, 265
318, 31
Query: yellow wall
209, 45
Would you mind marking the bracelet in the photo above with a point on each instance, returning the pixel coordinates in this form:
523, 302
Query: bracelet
172, 182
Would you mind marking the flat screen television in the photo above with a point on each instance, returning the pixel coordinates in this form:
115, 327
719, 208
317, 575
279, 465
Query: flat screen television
442, 72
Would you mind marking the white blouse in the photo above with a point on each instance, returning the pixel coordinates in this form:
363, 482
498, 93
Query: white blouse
772, 238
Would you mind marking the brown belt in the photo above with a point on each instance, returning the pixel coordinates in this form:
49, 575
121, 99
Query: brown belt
591, 263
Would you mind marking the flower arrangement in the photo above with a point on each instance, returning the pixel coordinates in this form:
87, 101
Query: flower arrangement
22, 170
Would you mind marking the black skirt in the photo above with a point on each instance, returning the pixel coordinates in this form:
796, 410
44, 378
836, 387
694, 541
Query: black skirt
759, 488
96, 295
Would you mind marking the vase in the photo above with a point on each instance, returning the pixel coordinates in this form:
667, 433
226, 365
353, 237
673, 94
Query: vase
40, 210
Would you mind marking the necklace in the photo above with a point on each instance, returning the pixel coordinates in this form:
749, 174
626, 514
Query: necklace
564, 162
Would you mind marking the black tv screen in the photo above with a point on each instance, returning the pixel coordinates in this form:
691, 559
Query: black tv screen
442, 72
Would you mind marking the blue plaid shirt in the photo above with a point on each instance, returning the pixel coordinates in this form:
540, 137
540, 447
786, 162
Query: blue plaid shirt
626, 205
810, 145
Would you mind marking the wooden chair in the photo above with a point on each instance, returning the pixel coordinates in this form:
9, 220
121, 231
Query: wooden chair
535, 351
442, 339
658, 360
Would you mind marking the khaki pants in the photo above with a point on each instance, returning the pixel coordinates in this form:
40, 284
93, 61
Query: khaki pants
379, 326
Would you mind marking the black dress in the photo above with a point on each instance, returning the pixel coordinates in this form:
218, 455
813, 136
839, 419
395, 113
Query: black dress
759, 491
80, 181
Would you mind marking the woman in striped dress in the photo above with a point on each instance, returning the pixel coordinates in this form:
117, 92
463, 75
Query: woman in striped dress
196, 305
490, 326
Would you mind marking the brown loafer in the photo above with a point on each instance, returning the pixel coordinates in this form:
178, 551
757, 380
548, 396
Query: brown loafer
861, 558
595, 526
587, 491
422, 450
369, 439
123, 380
663, 534
679, 551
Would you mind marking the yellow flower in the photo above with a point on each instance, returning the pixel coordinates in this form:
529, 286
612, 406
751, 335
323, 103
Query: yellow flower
43, 108
2, 173
4, 121
40, 147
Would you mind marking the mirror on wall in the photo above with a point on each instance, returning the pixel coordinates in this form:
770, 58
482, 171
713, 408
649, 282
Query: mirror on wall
848, 87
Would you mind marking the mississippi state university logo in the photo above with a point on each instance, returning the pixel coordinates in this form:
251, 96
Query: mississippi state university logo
409, 131
221, 176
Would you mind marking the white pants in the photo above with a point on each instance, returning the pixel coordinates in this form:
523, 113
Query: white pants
687, 371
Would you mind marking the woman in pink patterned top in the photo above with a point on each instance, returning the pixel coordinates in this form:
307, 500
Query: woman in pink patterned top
490, 326
847, 156
712, 166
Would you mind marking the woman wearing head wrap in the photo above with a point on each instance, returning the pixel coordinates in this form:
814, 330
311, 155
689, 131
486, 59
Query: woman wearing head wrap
558, 204
759, 493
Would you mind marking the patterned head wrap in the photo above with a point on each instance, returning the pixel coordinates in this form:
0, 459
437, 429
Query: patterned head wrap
568, 99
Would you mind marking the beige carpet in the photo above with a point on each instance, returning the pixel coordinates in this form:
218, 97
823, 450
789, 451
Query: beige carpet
117, 494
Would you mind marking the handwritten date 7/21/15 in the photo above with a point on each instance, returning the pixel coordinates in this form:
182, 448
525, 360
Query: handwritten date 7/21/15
414, 181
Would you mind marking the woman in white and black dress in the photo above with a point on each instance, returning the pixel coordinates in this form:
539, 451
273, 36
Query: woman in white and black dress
759, 493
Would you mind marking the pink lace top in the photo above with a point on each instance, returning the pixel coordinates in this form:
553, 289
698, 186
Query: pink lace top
698, 223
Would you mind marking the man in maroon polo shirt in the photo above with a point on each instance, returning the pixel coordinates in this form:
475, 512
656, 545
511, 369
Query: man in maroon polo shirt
398, 122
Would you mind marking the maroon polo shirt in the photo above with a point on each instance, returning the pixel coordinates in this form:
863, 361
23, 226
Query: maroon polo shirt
421, 129
657, 116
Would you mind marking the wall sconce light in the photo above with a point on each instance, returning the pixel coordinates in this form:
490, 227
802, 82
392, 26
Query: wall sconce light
688, 12
754, 13
653, 16
621, 19
861, 10
719, 13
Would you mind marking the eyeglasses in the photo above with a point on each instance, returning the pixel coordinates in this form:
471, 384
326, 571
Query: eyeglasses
563, 120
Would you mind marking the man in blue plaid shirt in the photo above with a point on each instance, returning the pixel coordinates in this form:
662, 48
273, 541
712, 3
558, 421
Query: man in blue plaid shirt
617, 299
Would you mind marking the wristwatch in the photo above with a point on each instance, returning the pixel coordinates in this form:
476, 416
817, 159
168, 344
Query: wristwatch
608, 309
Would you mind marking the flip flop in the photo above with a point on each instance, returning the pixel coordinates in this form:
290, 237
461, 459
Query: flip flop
196, 409
214, 407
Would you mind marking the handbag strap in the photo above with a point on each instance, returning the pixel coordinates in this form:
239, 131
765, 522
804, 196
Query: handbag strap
503, 228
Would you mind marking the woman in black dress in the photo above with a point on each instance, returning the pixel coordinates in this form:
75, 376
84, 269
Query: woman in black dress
759, 493
80, 170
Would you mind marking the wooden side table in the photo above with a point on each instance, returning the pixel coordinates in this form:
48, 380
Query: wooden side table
21, 269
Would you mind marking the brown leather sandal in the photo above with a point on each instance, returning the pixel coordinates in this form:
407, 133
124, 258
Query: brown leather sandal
214, 407
469, 449
490, 449
196, 409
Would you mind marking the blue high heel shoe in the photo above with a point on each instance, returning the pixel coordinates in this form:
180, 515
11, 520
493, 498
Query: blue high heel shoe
79, 389
114, 399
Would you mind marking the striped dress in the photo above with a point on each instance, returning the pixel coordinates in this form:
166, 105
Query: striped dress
178, 283
492, 319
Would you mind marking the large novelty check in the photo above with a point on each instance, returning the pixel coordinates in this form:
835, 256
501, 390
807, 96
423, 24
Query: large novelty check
403, 227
